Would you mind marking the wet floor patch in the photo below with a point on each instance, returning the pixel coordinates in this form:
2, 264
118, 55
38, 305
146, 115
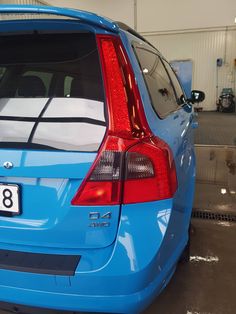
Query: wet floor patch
216, 128
216, 179
204, 259
207, 284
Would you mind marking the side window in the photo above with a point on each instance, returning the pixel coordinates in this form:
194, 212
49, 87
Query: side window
175, 81
158, 82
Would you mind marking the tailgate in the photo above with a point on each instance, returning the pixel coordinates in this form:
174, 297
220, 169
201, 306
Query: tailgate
52, 123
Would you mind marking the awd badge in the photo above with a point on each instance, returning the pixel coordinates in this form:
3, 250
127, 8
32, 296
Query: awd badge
97, 218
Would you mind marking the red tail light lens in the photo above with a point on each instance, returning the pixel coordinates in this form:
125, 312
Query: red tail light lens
103, 186
132, 166
150, 173
126, 116
145, 173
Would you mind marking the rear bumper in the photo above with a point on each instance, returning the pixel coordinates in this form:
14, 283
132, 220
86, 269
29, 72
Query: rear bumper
133, 303
141, 263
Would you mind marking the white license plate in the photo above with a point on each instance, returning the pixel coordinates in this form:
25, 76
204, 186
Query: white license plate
9, 199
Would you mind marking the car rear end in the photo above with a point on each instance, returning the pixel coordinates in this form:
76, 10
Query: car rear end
86, 188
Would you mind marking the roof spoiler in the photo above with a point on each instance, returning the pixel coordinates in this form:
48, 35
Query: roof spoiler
83, 16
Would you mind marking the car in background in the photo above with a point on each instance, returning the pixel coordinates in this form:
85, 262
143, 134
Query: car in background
97, 163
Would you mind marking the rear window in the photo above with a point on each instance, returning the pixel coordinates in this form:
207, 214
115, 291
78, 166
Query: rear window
51, 92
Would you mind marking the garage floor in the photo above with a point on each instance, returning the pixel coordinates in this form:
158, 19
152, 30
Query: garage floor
216, 179
207, 285
216, 128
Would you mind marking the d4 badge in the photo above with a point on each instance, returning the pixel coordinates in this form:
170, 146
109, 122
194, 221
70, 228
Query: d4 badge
97, 216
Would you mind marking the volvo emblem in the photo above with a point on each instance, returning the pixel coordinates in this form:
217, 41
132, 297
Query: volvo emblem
8, 165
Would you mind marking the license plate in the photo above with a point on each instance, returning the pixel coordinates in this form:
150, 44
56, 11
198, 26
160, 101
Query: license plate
9, 199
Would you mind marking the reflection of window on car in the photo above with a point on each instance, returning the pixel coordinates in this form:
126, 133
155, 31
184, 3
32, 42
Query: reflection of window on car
158, 82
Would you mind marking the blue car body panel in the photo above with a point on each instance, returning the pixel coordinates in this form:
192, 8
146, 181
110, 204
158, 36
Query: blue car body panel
124, 267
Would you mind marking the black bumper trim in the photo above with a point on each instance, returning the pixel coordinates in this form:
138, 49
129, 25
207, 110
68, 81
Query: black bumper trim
51, 264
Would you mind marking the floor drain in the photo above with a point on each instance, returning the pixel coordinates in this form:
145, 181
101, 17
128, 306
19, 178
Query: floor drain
213, 216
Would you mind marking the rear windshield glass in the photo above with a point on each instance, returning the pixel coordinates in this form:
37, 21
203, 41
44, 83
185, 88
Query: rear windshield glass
51, 92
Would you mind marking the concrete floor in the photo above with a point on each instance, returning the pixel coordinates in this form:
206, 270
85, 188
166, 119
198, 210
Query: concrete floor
216, 179
216, 128
207, 284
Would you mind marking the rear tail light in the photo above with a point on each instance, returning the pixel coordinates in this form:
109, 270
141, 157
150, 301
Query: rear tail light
103, 186
138, 166
150, 172
131, 166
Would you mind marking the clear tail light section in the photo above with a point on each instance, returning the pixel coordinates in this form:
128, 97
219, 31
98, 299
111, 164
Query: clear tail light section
150, 172
103, 185
132, 165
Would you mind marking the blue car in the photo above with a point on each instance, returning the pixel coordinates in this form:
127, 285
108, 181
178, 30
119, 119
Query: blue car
97, 163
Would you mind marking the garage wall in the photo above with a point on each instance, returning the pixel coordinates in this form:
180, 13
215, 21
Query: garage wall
159, 15
33, 2
203, 48
122, 10
162, 15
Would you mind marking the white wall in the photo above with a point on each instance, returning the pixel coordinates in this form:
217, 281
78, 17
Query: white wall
162, 15
33, 2
122, 10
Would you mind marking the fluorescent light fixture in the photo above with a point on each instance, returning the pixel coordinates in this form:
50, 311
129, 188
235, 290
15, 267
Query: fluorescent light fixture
223, 191
235, 20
